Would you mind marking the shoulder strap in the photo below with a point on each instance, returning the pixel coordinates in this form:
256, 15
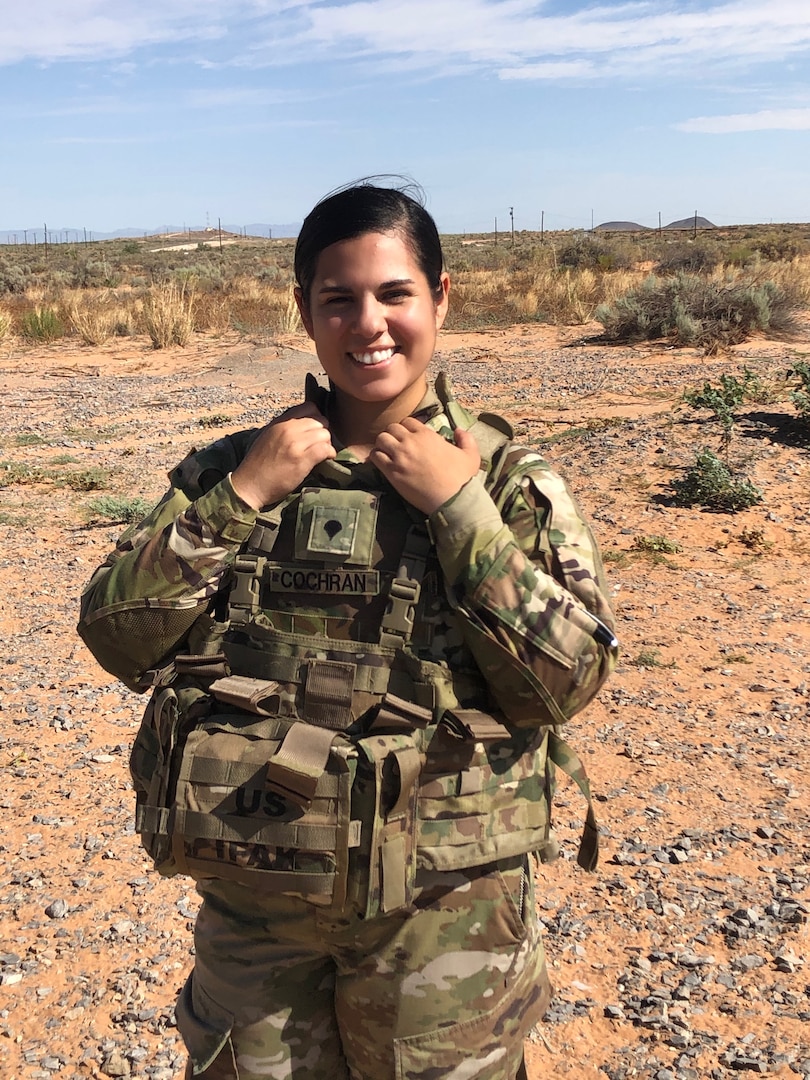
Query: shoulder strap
492, 433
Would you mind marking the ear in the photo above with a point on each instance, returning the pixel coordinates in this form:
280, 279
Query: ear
443, 302
304, 312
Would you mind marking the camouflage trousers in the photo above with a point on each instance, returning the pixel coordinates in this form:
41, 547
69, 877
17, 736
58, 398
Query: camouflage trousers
445, 990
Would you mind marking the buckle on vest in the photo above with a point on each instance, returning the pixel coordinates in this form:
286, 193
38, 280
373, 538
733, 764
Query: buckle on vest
397, 623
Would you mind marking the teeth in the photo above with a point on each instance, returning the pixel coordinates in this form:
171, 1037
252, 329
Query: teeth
375, 357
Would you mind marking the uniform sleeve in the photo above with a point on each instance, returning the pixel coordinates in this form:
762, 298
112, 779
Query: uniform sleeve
142, 601
525, 577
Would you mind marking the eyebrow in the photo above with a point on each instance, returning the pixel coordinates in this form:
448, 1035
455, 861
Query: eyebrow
345, 289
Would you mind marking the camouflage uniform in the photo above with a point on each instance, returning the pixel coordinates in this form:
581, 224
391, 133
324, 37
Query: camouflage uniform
367, 897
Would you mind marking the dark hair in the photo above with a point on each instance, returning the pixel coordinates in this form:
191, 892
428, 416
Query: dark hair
363, 207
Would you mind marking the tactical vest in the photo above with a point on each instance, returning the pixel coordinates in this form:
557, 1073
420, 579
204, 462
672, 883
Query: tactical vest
312, 730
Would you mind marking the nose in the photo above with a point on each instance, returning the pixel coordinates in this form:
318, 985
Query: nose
370, 320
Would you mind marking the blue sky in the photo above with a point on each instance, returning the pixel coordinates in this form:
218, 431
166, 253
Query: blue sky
141, 113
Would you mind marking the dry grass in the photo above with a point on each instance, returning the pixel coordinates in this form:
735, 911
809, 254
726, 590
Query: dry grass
96, 318
115, 287
168, 314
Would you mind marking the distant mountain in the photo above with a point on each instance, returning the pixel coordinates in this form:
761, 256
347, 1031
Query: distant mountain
620, 226
72, 235
631, 226
691, 223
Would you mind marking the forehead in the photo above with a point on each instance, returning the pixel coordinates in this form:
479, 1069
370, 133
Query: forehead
386, 256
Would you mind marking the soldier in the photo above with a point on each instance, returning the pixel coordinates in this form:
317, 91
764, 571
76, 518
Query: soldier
362, 626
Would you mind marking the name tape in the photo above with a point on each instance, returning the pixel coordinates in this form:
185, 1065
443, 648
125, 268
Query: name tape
329, 582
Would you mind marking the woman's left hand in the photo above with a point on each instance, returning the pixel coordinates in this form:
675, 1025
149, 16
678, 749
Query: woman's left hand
422, 465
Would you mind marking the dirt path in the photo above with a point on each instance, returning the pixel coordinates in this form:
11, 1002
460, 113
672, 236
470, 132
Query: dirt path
685, 956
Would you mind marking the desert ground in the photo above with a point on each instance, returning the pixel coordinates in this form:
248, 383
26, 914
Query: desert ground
686, 954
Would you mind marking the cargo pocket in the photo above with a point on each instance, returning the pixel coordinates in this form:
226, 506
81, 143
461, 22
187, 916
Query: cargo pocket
485, 1047
206, 1029
480, 1014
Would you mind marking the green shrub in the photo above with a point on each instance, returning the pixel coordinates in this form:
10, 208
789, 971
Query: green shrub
801, 396
42, 325
119, 508
13, 277
587, 254
710, 483
688, 258
16, 472
656, 544
691, 310
723, 400
86, 479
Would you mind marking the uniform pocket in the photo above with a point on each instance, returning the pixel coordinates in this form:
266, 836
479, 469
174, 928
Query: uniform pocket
234, 818
481, 801
206, 1029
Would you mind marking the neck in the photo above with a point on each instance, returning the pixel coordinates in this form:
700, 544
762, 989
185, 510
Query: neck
358, 423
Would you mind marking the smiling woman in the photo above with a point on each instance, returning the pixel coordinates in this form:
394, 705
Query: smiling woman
362, 626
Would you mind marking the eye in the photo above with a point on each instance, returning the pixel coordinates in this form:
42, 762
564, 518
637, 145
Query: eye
393, 295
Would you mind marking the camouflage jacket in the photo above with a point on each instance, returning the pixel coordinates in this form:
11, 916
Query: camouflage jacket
522, 591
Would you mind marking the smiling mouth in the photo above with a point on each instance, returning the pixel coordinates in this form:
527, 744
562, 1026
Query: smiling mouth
375, 356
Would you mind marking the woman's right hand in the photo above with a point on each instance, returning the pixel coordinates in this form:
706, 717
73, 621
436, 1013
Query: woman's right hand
283, 455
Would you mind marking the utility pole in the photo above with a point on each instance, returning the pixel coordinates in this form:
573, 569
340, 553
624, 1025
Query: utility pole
496, 232
694, 233
659, 224
219, 226
542, 225
512, 220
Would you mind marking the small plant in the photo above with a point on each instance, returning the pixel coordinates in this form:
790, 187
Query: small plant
42, 325
86, 479
119, 508
651, 658
754, 540
710, 483
5, 325
214, 420
619, 559
15, 472
801, 397
656, 544
723, 400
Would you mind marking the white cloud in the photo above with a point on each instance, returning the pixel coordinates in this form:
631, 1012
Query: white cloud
625, 38
764, 120
52, 30
518, 39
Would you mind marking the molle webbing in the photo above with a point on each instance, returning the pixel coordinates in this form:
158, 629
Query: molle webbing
267, 803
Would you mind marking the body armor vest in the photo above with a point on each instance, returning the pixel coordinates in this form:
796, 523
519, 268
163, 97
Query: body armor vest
335, 717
